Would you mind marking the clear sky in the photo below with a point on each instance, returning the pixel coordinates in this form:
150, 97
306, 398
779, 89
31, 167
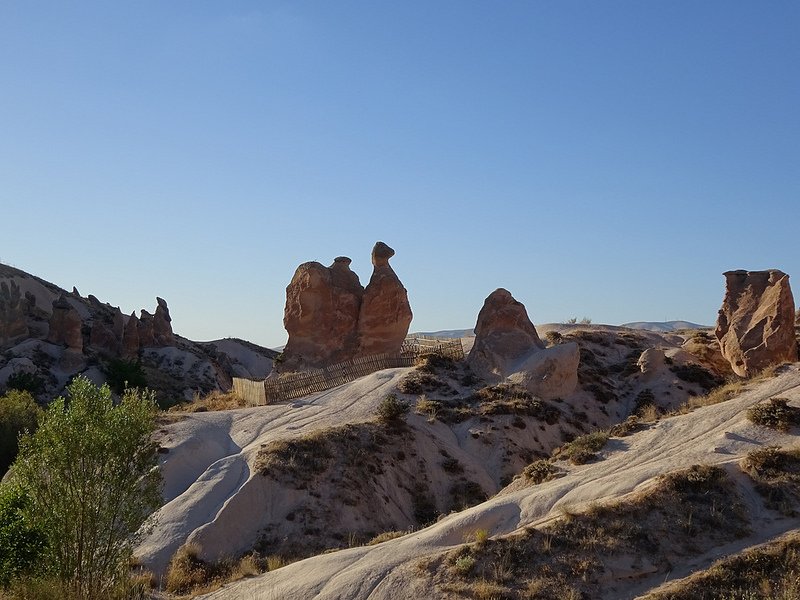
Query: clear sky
601, 159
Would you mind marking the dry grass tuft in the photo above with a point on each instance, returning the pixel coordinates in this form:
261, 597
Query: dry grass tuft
769, 572
541, 471
213, 401
582, 449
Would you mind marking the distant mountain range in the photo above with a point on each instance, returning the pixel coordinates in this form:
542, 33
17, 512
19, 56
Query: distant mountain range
664, 326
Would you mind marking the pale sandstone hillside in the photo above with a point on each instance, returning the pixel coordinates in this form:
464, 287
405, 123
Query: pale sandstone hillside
319, 472
425, 563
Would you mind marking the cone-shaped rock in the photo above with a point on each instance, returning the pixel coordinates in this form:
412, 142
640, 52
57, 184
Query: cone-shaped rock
755, 326
503, 335
162, 325
65, 325
385, 311
130, 337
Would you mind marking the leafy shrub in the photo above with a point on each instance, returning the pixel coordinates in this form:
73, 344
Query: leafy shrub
123, 374
21, 541
18, 413
25, 382
776, 414
391, 410
89, 473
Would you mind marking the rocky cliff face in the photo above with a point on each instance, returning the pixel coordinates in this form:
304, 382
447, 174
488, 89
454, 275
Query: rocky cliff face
755, 326
54, 334
330, 317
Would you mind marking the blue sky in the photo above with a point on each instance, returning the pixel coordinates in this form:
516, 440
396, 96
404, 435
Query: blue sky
601, 159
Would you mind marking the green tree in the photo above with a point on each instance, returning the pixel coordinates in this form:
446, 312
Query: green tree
18, 413
123, 374
90, 472
22, 542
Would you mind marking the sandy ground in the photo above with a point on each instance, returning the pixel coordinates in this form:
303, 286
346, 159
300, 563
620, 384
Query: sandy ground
719, 434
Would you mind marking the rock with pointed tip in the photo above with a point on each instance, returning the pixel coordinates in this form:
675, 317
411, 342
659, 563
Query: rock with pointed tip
162, 325
385, 311
503, 335
508, 347
755, 326
130, 337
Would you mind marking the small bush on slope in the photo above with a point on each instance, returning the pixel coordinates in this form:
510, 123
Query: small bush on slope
776, 474
775, 414
686, 514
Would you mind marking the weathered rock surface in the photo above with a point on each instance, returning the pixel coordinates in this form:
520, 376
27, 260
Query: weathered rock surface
755, 326
106, 333
503, 335
162, 325
549, 373
13, 319
65, 325
507, 346
321, 315
331, 318
146, 336
130, 337
385, 311
652, 362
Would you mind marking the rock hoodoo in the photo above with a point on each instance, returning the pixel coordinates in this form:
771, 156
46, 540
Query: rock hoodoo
385, 311
503, 335
755, 326
146, 338
321, 315
65, 325
130, 337
162, 325
507, 346
13, 318
330, 317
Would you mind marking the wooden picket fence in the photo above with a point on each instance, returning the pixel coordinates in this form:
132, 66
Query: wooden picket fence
295, 385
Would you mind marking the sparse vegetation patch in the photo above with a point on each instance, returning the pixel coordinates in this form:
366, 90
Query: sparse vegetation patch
776, 474
685, 514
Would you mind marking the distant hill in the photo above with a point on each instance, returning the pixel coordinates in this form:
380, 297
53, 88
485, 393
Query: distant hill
664, 326
446, 333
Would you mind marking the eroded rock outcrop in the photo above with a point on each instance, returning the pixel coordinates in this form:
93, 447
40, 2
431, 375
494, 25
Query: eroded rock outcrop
503, 335
385, 311
13, 313
162, 325
331, 318
65, 325
146, 339
321, 315
507, 346
130, 337
755, 326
